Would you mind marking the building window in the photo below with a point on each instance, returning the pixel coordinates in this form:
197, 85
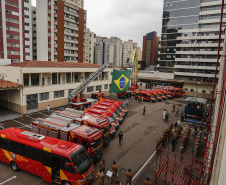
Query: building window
48, 80
34, 79
26, 1
90, 89
26, 79
43, 96
63, 80
43, 80
106, 86
203, 91
58, 94
191, 90
186, 89
99, 88
68, 77
54, 78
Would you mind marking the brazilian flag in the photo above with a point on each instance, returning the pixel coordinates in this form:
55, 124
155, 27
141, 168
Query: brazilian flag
120, 81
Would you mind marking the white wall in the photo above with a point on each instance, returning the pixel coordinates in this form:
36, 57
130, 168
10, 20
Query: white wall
42, 30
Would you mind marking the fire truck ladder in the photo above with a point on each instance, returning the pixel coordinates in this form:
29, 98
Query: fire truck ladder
87, 81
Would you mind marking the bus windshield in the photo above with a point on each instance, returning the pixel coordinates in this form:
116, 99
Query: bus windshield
96, 143
119, 109
111, 119
81, 160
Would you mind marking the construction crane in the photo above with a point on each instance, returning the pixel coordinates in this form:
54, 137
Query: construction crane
80, 88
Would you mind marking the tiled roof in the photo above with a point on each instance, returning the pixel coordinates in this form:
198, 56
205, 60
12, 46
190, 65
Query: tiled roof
54, 64
5, 84
119, 67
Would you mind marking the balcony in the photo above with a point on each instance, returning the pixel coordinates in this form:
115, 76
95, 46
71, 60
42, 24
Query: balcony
196, 67
194, 74
197, 52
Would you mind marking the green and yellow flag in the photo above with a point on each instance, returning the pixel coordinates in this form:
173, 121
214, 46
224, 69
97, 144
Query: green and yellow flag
120, 81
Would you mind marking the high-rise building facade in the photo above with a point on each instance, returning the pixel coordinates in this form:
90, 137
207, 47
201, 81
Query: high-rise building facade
127, 48
116, 51
61, 26
102, 50
189, 41
89, 43
15, 30
150, 49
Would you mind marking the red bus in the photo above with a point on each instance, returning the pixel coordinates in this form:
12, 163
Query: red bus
56, 161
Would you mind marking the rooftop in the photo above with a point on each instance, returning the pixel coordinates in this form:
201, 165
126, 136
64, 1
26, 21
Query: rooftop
53, 64
5, 84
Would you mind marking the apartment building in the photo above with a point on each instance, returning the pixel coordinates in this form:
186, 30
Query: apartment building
102, 50
34, 35
116, 51
127, 48
32, 85
150, 49
15, 30
189, 41
61, 26
90, 42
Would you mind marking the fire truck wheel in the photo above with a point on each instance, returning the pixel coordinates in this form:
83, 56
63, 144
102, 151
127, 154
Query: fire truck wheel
14, 166
66, 183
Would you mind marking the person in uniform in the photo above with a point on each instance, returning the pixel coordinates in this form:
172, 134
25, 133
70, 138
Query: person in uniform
147, 182
114, 172
100, 177
120, 137
102, 165
128, 177
118, 183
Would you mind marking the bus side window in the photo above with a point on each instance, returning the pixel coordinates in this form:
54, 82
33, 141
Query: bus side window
75, 140
47, 159
85, 144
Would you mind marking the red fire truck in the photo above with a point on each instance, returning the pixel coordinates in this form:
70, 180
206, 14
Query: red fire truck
98, 96
119, 103
179, 92
85, 103
63, 128
113, 105
161, 93
56, 161
102, 124
155, 94
147, 96
107, 115
114, 112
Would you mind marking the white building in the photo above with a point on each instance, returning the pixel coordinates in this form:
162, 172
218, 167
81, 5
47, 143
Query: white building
115, 51
60, 30
102, 50
90, 44
16, 30
32, 85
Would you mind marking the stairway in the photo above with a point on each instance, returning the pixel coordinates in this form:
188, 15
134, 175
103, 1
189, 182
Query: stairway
87, 81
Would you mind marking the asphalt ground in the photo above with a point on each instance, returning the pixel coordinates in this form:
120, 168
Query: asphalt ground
137, 151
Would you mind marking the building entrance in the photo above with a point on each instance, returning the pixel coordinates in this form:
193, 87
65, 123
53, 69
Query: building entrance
32, 103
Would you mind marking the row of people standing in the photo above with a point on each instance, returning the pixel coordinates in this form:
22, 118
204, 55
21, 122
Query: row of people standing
128, 176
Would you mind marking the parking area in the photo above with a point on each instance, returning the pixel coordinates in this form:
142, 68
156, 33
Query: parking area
138, 147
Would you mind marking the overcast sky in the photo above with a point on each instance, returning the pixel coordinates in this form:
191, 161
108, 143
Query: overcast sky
126, 19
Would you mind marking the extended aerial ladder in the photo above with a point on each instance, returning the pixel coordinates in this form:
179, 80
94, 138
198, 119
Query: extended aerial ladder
81, 87
133, 61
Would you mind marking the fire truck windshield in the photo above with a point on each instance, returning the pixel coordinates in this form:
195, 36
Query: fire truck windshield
111, 119
120, 109
96, 143
106, 129
151, 96
122, 106
81, 160
116, 114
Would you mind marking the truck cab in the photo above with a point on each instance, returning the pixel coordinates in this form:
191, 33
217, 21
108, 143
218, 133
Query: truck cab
98, 95
107, 115
113, 105
119, 103
114, 112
